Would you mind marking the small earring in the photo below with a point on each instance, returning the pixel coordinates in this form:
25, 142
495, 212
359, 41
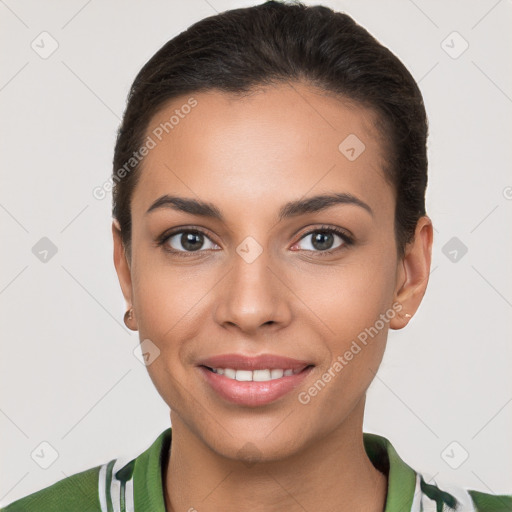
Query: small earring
128, 316
405, 315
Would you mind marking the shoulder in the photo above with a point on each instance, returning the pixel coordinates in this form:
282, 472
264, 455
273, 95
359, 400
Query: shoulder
446, 498
491, 502
131, 481
413, 491
75, 492
94, 489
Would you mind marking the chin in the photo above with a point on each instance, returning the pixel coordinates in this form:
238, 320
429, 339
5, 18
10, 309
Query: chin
251, 448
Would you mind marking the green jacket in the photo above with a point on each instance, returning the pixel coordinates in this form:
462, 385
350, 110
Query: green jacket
136, 486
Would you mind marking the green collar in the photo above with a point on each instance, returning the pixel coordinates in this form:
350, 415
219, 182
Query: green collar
150, 465
401, 477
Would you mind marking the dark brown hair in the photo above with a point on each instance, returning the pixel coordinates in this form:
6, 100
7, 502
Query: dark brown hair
239, 50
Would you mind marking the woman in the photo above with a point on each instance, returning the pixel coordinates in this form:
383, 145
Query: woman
269, 229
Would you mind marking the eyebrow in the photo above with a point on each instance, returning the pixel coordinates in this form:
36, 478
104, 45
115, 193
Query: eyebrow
292, 209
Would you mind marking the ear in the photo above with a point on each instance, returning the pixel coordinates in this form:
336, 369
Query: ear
122, 264
413, 273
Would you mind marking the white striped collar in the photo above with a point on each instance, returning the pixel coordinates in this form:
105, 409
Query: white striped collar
405, 486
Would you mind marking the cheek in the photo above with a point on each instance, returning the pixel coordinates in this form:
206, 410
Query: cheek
167, 296
348, 298
166, 303
355, 344
354, 305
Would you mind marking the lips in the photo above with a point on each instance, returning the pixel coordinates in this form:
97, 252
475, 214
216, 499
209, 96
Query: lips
261, 362
247, 392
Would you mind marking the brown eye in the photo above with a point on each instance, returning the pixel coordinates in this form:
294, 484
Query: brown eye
188, 241
322, 240
325, 240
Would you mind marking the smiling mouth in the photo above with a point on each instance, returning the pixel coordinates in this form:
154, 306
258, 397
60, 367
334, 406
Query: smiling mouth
261, 375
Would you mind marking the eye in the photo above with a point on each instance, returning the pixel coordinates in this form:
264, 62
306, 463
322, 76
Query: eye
323, 240
185, 241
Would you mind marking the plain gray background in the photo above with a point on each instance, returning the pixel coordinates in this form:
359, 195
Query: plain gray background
69, 376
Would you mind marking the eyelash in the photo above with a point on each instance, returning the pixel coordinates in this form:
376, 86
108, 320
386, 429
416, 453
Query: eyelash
347, 240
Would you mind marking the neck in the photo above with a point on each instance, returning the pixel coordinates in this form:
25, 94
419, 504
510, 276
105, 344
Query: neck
333, 473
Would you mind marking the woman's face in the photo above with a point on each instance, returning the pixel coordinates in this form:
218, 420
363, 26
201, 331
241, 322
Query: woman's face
258, 279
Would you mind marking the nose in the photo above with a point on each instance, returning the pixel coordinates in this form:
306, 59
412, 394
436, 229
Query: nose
253, 295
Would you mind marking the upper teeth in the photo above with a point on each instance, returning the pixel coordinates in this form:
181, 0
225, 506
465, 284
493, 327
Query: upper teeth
256, 375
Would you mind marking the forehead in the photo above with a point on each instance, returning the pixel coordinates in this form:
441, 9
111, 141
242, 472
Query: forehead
282, 141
